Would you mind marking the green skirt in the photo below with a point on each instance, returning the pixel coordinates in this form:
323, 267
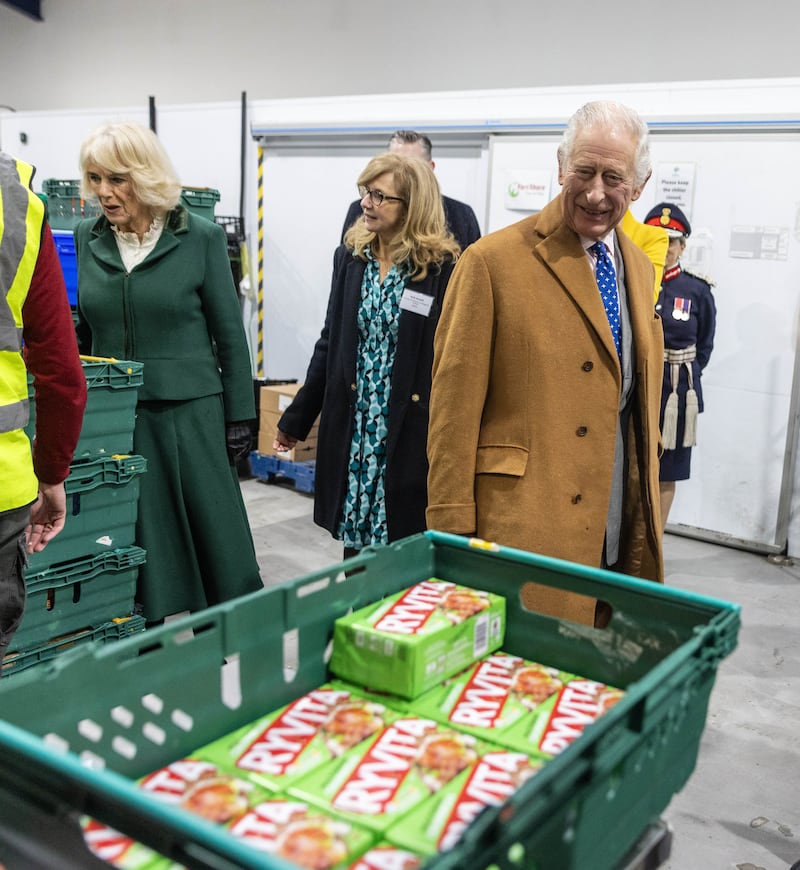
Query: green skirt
192, 520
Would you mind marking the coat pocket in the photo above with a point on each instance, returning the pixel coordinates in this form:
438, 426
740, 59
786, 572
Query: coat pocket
501, 459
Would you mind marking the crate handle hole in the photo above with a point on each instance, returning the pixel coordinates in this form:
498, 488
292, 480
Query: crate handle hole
313, 587
122, 716
124, 747
231, 682
90, 730
291, 654
536, 598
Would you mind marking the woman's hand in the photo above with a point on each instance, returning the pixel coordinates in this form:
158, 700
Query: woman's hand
283, 442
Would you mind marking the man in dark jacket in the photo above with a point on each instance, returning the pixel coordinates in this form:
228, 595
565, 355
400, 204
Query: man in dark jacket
460, 217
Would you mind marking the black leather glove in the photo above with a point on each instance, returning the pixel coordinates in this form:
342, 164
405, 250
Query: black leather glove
239, 440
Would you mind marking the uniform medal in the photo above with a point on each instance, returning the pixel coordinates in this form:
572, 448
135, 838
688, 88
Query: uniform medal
681, 308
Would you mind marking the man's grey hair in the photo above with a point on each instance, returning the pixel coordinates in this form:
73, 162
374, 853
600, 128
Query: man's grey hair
409, 137
605, 113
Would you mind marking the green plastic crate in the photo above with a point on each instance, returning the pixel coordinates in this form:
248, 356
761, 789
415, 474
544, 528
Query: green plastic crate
110, 416
102, 507
200, 200
65, 206
118, 627
164, 694
76, 595
112, 390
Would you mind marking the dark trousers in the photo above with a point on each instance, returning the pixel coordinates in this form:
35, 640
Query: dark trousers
12, 581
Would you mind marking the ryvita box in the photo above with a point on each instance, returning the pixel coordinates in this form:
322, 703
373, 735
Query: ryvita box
381, 779
413, 640
520, 704
280, 747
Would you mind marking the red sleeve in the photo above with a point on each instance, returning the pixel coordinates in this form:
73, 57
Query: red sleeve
51, 355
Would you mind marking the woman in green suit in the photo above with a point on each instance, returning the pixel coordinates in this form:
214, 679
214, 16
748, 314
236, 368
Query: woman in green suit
155, 286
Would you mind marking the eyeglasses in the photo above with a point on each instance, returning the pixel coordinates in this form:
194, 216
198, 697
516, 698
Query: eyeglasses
375, 196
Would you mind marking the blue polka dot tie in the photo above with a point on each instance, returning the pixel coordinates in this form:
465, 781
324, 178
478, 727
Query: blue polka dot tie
607, 283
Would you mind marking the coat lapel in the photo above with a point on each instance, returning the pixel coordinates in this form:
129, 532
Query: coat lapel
351, 297
562, 251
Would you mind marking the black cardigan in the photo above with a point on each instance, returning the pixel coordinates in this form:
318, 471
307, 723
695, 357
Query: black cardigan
329, 391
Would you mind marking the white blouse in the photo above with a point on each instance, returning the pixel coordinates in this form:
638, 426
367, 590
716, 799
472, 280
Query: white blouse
132, 249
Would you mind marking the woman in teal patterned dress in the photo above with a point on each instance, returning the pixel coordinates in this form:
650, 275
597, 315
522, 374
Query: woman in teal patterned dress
369, 377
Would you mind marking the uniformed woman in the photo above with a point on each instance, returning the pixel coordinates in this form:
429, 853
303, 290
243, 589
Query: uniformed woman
688, 313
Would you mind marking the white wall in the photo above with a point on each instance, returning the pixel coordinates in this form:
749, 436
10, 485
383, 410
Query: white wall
89, 53
308, 180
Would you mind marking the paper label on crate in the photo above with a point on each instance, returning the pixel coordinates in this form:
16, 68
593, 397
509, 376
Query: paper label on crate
281, 746
439, 823
405, 763
414, 639
301, 834
416, 302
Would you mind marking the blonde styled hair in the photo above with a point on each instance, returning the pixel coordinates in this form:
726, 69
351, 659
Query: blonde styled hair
134, 151
423, 239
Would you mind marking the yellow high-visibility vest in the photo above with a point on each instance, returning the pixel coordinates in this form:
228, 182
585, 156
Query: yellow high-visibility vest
21, 224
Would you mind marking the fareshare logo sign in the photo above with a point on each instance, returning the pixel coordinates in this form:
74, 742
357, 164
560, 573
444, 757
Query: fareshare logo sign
527, 189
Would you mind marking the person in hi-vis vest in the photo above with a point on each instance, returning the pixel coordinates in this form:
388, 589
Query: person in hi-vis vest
36, 335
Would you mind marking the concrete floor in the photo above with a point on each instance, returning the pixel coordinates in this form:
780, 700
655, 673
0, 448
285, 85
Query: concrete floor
741, 808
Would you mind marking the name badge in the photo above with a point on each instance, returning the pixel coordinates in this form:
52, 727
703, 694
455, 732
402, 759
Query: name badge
416, 302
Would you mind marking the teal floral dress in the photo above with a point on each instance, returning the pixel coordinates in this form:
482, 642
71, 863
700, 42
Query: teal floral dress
364, 515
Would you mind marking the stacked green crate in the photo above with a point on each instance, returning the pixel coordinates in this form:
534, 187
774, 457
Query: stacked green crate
200, 200
65, 206
82, 586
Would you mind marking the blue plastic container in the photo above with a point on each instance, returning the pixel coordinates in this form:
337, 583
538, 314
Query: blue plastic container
65, 245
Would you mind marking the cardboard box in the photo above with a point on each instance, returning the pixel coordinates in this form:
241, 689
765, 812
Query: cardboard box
192, 783
277, 397
301, 453
382, 778
268, 422
274, 401
282, 746
437, 824
413, 640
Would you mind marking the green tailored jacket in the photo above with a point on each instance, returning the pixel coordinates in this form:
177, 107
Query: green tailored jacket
177, 312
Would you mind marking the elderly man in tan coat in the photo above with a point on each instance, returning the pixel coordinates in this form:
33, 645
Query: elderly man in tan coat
544, 408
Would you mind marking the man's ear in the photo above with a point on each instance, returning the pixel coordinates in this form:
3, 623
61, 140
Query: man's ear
637, 191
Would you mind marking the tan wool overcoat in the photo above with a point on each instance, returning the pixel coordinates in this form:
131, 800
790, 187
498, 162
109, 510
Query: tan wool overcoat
525, 404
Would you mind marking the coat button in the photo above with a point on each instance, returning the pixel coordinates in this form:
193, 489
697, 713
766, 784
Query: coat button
415, 397
588, 366
576, 498
353, 387
581, 431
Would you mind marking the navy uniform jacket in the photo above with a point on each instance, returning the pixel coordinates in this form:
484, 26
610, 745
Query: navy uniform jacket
459, 217
686, 294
